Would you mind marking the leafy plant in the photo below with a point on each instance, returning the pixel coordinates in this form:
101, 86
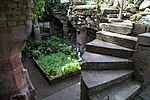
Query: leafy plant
54, 57
58, 64
71, 67
51, 45
31, 45
39, 8
36, 54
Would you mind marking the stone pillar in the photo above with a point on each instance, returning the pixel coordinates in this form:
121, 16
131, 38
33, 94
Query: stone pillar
142, 58
81, 39
65, 31
121, 8
15, 26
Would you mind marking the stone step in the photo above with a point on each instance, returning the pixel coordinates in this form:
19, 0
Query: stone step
106, 11
144, 39
123, 91
112, 20
102, 62
112, 15
96, 81
105, 48
116, 28
70, 93
118, 39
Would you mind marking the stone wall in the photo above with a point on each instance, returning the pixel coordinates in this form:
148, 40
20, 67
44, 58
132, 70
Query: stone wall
15, 26
142, 58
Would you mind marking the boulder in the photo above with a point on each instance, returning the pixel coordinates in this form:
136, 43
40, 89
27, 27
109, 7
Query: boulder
132, 8
145, 20
145, 4
146, 12
136, 17
138, 2
127, 15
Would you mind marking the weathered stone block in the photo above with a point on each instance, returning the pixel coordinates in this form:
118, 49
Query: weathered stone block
144, 39
3, 18
112, 16
116, 28
11, 23
8, 12
31, 4
109, 11
148, 28
20, 22
29, 23
16, 11
12, 5
29, 12
22, 18
15, 0
2, 13
3, 24
21, 5
138, 28
12, 18
2, 6
142, 64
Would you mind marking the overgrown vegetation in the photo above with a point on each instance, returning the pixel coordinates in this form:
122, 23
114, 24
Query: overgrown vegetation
58, 64
54, 57
43, 7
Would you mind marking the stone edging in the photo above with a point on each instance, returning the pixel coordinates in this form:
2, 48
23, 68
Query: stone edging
56, 79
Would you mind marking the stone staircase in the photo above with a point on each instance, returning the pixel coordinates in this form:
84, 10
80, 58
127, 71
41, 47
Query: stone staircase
107, 69
120, 28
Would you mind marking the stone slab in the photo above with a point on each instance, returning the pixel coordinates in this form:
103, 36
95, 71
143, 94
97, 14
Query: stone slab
70, 93
144, 39
98, 80
137, 98
82, 7
105, 48
112, 16
142, 63
118, 39
107, 45
100, 62
138, 29
123, 91
115, 20
109, 11
116, 28
145, 94
93, 57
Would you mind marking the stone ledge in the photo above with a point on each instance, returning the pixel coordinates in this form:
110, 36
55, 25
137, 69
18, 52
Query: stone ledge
144, 39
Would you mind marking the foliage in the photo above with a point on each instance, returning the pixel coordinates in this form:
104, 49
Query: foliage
36, 54
58, 64
39, 8
49, 46
42, 7
54, 57
30, 46
72, 66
